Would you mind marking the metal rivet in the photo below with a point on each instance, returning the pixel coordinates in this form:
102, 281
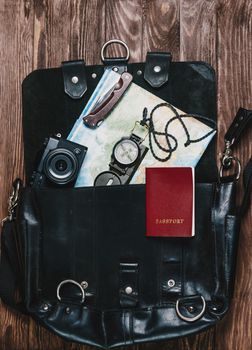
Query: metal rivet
157, 69
128, 290
75, 80
236, 125
94, 75
68, 310
171, 283
214, 308
241, 118
115, 69
191, 309
45, 307
84, 284
139, 72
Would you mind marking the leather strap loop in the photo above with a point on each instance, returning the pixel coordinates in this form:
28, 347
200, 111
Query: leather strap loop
75, 81
171, 270
240, 123
157, 68
128, 284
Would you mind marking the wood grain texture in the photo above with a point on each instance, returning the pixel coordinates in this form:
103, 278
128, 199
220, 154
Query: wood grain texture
87, 30
51, 32
198, 30
16, 34
124, 21
43, 33
235, 90
161, 26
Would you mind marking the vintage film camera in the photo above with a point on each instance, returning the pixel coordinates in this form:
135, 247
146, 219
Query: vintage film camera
60, 163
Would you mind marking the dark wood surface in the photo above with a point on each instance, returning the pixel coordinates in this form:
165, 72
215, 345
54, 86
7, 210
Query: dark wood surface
42, 33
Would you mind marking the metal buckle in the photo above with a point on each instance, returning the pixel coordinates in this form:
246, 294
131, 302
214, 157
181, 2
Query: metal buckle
82, 286
115, 41
191, 319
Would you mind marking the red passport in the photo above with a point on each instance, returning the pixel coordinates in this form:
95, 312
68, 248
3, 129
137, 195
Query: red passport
170, 202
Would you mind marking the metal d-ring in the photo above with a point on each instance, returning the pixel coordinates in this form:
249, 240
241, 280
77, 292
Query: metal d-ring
115, 41
191, 319
71, 282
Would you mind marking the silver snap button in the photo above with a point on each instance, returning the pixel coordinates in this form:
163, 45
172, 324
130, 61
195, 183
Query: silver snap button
139, 72
84, 284
171, 283
75, 80
157, 69
128, 290
68, 310
45, 307
94, 75
115, 69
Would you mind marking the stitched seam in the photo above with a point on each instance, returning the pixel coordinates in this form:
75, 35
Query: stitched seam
104, 330
94, 247
160, 266
182, 271
40, 238
131, 327
123, 326
213, 217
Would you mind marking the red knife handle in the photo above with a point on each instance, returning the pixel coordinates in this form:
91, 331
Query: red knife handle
95, 118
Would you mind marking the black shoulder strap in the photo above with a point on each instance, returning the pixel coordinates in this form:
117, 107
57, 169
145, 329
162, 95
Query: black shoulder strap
247, 182
240, 124
8, 268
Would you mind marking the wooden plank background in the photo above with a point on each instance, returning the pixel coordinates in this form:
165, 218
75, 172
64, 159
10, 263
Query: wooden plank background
42, 33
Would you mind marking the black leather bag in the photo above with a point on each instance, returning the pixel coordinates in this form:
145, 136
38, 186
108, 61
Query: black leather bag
80, 257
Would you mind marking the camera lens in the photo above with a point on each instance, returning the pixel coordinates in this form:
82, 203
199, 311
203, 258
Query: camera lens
61, 166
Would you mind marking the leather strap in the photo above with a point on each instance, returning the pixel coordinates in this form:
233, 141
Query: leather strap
171, 270
241, 122
119, 64
247, 183
8, 269
74, 75
128, 284
157, 68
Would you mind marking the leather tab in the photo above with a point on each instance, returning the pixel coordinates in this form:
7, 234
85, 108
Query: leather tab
128, 284
241, 122
157, 67
171, 272
74, 75
118, 65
